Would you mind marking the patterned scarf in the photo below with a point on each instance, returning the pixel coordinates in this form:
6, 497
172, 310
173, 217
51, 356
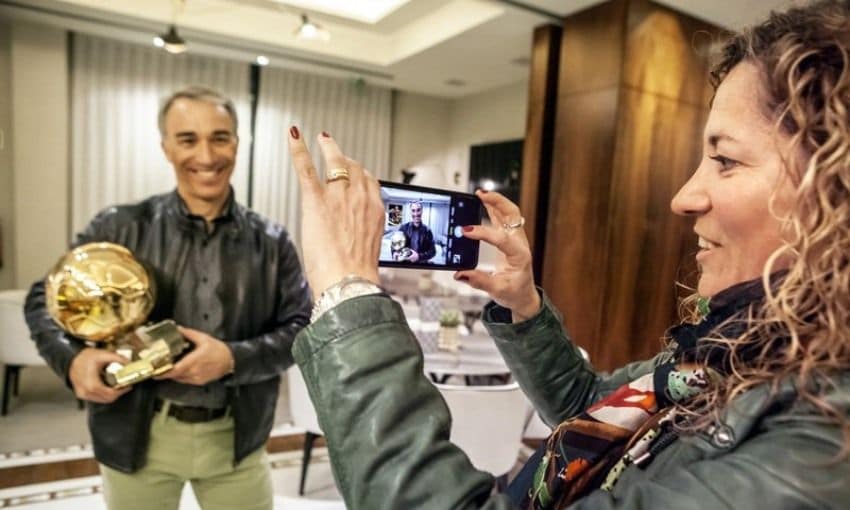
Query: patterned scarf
631, 425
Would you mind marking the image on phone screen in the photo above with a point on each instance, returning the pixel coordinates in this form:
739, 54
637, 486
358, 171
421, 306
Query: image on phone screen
423, 227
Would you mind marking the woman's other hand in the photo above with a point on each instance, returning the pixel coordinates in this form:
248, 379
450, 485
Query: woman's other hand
341, 221
512, 283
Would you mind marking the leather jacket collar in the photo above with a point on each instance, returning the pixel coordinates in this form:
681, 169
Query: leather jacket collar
231, 214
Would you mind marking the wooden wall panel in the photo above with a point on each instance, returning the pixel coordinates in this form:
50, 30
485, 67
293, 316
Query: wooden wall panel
633, 96
666, 53
655, 153
539, 137
576, 256
592, 49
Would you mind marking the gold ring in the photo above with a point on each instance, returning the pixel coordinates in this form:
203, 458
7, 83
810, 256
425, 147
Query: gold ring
336, 174
511, 227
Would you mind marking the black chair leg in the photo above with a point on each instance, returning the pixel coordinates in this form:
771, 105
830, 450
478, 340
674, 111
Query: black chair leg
16, 385
7, 388
309, 439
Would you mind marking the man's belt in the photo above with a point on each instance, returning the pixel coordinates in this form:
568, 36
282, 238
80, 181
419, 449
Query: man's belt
191, 414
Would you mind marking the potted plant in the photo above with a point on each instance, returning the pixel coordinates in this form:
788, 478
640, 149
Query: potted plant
449, 322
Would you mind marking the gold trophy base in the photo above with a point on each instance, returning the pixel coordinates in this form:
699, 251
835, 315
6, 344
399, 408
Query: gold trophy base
152, 350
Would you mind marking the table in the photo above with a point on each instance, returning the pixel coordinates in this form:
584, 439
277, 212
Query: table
478, 356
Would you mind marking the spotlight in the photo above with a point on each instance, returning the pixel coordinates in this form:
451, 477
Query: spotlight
262, 60
311, 31
171, 41
158, 42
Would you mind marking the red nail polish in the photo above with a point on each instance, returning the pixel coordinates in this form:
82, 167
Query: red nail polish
293, 131
482, 190
325, 134
468, 228
463, 278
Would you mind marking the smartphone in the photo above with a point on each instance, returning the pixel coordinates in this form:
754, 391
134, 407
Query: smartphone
423, 227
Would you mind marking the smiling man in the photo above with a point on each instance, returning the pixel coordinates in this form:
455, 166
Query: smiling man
233, 281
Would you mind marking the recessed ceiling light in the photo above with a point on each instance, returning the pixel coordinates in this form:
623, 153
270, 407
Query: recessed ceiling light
366, 11
262, 60
158, 42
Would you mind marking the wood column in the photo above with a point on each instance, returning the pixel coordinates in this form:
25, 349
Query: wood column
632, 99
539, 138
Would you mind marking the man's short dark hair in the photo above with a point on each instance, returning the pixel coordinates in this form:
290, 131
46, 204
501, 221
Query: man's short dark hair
197, 93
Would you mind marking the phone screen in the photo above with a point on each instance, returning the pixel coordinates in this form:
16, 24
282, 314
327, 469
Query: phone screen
423, 227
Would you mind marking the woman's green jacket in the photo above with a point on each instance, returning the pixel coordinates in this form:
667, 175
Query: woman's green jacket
387, 428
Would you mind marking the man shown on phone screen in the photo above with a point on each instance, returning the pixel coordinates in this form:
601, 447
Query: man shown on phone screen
419, 237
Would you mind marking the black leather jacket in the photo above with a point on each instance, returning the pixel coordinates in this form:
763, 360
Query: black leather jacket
261, 289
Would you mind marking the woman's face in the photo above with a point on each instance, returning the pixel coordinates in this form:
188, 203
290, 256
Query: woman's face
729, 193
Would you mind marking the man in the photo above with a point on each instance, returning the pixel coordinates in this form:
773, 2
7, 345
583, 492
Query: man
420, 240
232, 279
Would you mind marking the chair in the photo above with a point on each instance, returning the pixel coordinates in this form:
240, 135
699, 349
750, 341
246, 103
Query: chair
303, 416
17, 350
487, 424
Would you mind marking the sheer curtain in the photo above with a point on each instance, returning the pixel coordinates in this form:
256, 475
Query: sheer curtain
357, 115
115, 96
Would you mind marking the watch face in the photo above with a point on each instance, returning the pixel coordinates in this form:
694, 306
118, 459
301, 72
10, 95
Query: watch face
358, 288
349, 287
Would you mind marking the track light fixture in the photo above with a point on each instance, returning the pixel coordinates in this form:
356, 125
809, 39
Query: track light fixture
171, 41
310, 30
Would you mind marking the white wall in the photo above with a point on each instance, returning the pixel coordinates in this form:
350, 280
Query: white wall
39, 92
420, 133
7, 209
496, 115
433, 134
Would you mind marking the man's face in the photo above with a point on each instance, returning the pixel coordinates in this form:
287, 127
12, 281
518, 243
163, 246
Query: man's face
416, 214
201, 145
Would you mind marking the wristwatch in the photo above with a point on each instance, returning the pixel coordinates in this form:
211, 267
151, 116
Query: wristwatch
349, 287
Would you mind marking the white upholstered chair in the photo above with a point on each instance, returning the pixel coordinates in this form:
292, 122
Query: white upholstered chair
17, 350
303, 416
487, 424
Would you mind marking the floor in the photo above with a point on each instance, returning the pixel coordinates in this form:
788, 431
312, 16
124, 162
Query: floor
45, 416
44, 425
84, 493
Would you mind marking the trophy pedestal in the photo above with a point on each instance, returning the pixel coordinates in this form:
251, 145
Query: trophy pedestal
151, 349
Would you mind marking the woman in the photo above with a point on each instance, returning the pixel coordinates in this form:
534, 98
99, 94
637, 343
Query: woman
749, 406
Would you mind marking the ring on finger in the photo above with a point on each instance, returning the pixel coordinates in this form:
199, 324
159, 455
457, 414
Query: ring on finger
512, 227
337, 174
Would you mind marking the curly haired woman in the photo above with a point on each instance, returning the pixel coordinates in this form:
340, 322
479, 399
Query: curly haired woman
750, 404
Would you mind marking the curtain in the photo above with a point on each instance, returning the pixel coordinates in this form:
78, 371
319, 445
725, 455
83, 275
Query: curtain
116, 91
357, 115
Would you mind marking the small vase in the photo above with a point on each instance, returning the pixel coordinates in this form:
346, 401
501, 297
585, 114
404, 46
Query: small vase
448, 339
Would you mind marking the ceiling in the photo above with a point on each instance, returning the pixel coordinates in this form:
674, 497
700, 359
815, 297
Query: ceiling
447, 48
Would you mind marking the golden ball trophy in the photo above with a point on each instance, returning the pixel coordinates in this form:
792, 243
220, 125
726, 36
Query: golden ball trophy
100, 293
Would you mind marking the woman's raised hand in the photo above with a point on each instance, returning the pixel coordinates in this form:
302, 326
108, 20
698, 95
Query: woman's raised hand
342, 220
512, 283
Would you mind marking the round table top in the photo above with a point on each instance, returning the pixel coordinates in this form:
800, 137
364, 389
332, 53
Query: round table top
477, 355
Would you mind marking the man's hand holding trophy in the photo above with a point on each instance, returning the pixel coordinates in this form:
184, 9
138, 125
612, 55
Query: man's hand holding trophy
100, 293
